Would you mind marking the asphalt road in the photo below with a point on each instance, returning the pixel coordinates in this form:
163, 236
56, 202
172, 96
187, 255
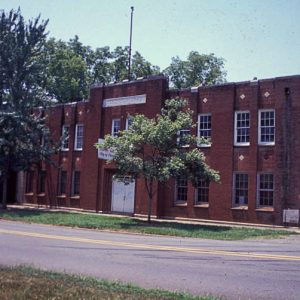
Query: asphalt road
256, 269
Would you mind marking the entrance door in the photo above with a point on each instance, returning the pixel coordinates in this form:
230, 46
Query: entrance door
122, 197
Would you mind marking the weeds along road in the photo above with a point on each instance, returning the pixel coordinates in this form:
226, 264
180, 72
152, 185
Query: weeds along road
253, 269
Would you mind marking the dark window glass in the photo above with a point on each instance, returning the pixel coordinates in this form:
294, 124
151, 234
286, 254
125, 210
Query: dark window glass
29, 180
41, 182
76, 183
202, 192
62, 182
266, 189
181, 190
241, 189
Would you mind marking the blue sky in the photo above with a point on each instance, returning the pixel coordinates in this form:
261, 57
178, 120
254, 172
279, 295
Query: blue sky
256, 38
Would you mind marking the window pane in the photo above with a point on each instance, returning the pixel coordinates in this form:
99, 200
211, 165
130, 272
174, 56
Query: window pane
267, 126
41, 182
76, 183
29, 180
62, 182
202, 192
79, 137
65, 137
116, 127
241, 189
242, 127
266, 189
204, 126
181, 190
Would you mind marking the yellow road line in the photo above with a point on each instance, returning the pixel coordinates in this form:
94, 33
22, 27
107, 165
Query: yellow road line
153, 247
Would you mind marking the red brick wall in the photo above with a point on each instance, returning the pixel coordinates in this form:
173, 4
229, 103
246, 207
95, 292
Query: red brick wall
282, 159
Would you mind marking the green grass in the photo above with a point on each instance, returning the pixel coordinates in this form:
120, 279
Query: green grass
139, 226
26, 283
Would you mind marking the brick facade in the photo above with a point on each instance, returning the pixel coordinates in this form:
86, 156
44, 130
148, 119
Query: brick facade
280, 160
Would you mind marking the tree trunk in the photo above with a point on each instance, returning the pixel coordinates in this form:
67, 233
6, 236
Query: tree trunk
4, 194
150, 196
149, 208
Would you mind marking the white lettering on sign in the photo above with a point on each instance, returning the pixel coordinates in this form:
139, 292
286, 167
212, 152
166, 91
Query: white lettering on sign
111, 102
291, 216
106, 154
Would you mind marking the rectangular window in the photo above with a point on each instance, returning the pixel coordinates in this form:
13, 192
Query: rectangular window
76, 183
266, 132
202, 192
128, 122
182, 137
79, 137
240, 189
62, 184
242, 128
29, 181
41, 182
204, 129
116, 127
265, 189
181, 190
65, 138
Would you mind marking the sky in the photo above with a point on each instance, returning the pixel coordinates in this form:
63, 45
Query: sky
257, 38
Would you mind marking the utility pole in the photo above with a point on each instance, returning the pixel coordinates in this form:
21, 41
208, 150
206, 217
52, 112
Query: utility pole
130, 40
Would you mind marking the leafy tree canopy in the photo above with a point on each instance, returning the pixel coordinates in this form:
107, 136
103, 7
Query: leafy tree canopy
198, 69
22, 125
155, 150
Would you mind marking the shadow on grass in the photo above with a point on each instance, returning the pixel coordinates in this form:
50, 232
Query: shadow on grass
172, 225
99, 221
23, 213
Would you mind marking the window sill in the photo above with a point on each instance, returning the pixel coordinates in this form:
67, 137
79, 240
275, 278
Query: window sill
266, 144
78, 149
202, 205
75, 197
241, 207
61, 196
64, 150
204, 146
41, 194
29, 194
181, 204
265, 209
242, 145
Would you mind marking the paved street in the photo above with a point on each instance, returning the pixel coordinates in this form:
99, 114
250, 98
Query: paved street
256, 269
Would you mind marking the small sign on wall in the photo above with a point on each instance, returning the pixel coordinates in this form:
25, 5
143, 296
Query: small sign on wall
106, 154
291, 216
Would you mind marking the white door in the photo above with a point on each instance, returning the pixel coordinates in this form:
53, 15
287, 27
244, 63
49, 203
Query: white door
122, 197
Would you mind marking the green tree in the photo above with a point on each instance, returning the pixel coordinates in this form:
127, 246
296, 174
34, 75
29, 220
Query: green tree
156, 150
101, 68
66, 69
22, 125
141, 67
198, 69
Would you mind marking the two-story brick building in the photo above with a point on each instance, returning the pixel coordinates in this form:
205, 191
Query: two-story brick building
254, 129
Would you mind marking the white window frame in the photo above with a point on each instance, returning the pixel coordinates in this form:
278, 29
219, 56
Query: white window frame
234, 190
62, 134
113, 133
236, 143
77, 137
129, 118
199, 124
260, 142
266, 190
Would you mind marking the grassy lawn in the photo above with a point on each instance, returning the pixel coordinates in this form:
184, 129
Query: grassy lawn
139, 226
20, 283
